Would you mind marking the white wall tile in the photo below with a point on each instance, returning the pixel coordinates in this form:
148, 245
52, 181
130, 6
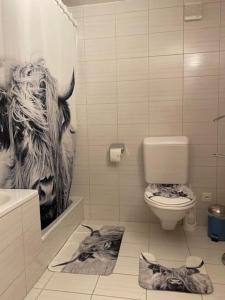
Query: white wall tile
164, 3
201, 64
10, 228
201, 40
222, 38
132, 46
133, 91
201, 133
104, 48
101, 92
98, 9
131, 5
134, 213
99, 26
132, 134
132, 69
165, 111
204, 89
131, 195
167, 19
119, 84
165, 129
166, 43
13, 265
102, 114
100, 71
166, 66
211, 13
201, 155
199, 111
132, 23
203, 177
170, 89
104, 212
132, 113
102, 134
80, 93
104, 195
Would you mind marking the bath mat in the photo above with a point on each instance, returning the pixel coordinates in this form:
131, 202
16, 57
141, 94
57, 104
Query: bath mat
191, 278
96, 255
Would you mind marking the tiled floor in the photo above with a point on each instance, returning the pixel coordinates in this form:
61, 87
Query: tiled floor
171, 248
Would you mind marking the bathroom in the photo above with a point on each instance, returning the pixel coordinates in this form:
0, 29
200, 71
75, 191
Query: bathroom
134, 74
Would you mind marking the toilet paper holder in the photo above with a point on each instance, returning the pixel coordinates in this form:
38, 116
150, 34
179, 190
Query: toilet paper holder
118, 146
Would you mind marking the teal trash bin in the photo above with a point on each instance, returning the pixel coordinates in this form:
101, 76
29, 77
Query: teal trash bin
216, 222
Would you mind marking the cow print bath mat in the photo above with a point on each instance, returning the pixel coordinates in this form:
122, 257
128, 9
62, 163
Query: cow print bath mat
96, 255
190, 278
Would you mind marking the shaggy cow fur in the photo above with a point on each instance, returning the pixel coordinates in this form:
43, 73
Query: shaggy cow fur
153, 276
37, 138
97, 253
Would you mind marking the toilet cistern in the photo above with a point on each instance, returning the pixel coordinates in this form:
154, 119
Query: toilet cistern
166, 172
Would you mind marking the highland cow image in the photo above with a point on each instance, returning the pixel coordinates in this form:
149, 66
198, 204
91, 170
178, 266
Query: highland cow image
153, 276
36, 137
97, 253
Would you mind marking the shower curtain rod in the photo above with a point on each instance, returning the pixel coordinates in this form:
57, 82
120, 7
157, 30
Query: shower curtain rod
66, 12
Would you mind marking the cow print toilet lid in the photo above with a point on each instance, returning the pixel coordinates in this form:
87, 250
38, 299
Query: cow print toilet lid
169, 191
189, 278
96, 254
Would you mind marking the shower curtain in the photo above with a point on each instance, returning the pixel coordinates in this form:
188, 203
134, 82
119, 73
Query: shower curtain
37, 109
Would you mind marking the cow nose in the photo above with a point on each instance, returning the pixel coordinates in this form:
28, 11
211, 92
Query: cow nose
46, 191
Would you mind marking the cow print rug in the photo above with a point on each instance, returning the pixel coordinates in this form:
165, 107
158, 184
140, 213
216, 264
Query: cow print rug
190, 278
96, 255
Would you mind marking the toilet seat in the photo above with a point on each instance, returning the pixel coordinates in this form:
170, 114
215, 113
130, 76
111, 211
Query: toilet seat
169, 202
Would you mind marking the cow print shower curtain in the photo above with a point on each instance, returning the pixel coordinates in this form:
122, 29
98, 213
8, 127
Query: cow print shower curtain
37, 112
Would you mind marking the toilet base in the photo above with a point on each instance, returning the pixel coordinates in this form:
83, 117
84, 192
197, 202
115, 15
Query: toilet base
168, 225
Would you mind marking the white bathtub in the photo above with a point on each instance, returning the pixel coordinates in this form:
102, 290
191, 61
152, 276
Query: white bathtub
11, 199
27, 249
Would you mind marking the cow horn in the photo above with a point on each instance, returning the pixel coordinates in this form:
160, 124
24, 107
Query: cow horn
145, 259
92, 230
69, 92
66, 263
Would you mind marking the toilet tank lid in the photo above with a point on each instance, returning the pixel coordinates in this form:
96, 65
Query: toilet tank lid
166, 140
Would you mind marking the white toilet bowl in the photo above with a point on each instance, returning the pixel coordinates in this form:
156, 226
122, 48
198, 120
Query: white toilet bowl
169, 210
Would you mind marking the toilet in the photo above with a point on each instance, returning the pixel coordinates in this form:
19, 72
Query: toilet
166, 172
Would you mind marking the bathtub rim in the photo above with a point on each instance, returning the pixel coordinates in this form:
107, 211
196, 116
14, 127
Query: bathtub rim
51, 227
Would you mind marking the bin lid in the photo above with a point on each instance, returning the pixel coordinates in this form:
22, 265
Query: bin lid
217, 210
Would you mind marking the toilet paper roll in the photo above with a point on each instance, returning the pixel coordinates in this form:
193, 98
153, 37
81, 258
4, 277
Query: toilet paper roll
115, 155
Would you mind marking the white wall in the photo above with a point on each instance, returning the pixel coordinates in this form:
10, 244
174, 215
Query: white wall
141, 72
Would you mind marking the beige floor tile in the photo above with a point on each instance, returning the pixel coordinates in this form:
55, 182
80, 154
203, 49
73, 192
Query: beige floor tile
94, 297
136, 227
136, 237
218, 294
33, 294
78, 236
127, 265
132, 250
204, 241
209, 256
216, 273
76, 283
162, 295
166, 252
160, 236
43, 280
125, 286
53, 295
